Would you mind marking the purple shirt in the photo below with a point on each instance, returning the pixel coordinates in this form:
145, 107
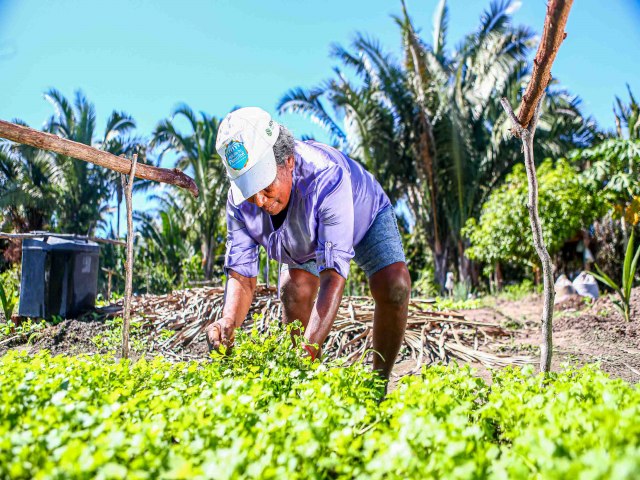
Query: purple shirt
333, 202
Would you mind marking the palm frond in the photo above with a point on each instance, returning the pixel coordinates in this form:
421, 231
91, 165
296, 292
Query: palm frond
440, 25
308, 103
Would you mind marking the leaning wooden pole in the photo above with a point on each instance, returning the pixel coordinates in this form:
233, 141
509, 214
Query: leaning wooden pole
80, 151
524, 127
127, 187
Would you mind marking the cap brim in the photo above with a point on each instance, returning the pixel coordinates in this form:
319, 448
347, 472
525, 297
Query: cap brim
257, 178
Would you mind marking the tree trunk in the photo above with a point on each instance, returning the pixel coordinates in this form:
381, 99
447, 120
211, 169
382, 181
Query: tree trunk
209, 258
536, 275
440, 261
475, 273
499, 278
464, 264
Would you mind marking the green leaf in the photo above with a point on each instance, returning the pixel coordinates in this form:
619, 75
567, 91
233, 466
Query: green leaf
5, 304
627, 264
604, 278
632, 273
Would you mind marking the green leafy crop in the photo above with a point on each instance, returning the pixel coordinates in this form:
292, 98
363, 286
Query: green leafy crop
111, 340
265, 411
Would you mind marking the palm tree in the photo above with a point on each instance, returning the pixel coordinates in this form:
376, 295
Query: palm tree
196, 154
166, 235
432, 127
88, 188
627, 117
30, 186
490, 63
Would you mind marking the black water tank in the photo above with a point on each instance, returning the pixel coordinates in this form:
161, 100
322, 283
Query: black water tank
59, 276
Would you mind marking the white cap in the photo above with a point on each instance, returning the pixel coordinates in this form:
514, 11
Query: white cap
245, 143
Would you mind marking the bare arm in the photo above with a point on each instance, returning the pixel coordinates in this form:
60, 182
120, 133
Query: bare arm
325, 309
240, 290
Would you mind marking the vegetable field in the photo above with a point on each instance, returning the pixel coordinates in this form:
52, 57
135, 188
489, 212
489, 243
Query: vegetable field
266, 412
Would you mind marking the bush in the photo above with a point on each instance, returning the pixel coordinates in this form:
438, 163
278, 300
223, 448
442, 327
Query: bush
267, 412
518, 291
503, 234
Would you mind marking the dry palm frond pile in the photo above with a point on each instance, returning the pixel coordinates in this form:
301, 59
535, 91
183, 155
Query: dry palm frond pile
432, 336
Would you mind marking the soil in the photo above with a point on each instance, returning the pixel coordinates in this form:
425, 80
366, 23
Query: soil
68, 337
583, 333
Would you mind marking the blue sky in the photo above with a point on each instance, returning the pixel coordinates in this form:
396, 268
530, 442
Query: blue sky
145, 56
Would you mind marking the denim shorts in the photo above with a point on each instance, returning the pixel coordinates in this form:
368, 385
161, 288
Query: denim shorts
380, 247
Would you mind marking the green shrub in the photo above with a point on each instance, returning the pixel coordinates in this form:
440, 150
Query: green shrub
264, 411
445, 303
502, 234
518, 291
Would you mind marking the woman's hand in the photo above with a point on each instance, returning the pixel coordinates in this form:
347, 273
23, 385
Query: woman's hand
221, 332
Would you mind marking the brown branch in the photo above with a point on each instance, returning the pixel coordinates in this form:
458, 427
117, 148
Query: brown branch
127, 187
80, 151
552, 36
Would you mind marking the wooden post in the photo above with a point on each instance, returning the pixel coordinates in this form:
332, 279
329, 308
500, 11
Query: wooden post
110, 277
524, 127
552, 36
80, 151
526, 135
127, 186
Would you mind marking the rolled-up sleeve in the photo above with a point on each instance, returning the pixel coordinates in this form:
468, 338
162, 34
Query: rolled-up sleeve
335, 221
242, 250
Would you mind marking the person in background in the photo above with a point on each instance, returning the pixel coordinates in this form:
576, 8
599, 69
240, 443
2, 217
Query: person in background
312, 209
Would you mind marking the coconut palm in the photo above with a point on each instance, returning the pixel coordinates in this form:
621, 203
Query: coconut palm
627, 117
88, 187
471, 126
432, 126
30, 186
166, 233
196, 154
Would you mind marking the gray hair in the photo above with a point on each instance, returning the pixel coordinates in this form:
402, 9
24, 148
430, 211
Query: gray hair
285, 146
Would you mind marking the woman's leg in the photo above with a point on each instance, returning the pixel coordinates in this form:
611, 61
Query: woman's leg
391, 290
298, 290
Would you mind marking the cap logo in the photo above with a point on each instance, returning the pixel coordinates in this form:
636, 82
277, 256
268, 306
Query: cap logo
269, 129
236, 154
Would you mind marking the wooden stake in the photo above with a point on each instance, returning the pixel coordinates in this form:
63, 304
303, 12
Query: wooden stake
524, 126
80, 151
526, 135
127, 187
552, 36
109, 273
